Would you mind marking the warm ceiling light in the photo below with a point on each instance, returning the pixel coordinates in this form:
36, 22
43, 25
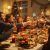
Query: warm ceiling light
34, 14
20, 8
9, 7
48, 12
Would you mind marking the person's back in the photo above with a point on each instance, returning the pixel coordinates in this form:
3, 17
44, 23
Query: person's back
4, 26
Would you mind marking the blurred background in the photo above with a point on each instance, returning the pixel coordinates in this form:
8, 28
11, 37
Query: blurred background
25, 7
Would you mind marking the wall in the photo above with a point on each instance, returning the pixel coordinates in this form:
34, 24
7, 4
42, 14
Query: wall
6, 6
36, 7
0, 5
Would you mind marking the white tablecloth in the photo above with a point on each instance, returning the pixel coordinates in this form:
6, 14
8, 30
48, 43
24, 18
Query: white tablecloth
13, 47
38, 47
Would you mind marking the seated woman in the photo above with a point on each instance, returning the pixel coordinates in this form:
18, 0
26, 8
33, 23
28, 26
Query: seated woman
7, 20
2, 16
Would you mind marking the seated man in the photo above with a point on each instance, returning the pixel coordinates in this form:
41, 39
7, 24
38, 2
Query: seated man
47, 45
3, 27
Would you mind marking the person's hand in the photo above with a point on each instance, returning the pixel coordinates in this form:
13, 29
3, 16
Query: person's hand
8, 23
29, 22
24, 24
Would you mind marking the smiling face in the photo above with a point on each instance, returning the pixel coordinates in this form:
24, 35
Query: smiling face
20, 20
12, 18
28, 18
3, 16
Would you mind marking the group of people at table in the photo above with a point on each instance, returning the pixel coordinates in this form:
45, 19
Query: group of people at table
34, 30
